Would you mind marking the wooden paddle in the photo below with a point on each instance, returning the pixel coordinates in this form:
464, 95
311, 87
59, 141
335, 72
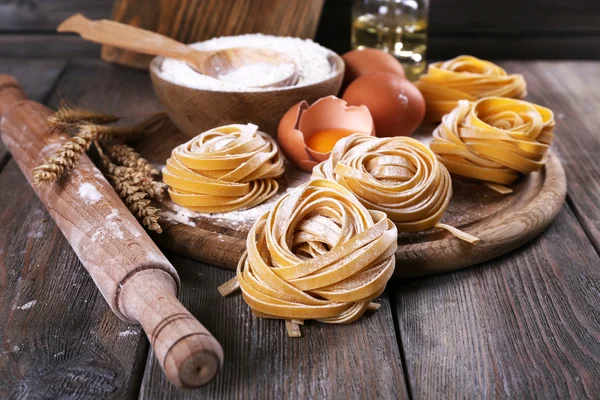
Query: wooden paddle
215, 63
136, 279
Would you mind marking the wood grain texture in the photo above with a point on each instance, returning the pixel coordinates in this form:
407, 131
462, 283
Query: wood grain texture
59, 338
515, 47
514, 17
38, 77
358, 360
134, 277
524, 325
567, 89
190, 21
106, 88
43, 15
45, 46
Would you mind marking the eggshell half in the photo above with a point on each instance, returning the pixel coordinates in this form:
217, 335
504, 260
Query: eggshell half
301, 121
333, 113
290, 118
290, 139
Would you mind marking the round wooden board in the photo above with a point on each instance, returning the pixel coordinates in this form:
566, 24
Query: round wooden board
502, 222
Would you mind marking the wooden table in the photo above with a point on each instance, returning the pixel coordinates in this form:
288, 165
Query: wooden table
524, 325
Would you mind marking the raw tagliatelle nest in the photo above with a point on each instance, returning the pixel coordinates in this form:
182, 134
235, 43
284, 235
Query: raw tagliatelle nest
466, 78
398, 175
494, 140
224, 169
318, 254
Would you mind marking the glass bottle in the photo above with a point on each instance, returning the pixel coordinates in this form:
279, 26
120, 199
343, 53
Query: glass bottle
396, 26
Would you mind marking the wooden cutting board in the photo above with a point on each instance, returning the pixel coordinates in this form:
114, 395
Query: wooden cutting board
502, 222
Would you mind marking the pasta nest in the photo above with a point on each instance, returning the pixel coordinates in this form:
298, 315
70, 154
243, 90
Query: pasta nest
224, 169
494, 139
318, 254
466, 78
397, 175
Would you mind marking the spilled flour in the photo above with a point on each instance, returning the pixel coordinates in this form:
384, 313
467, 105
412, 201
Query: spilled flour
28, 305
129, 332
112, 227
242, 219
89, 193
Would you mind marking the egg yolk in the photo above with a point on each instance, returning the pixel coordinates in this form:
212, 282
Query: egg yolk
323, 141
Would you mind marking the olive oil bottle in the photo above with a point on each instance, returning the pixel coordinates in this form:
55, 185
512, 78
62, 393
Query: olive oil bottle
396, 26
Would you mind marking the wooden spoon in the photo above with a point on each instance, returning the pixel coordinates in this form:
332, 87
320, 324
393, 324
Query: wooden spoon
214, 63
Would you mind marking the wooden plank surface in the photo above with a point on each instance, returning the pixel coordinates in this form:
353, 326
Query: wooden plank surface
515, 47
46, 46
568, 88
359, 360
526, 324
59, 338
104, 87
44, 15
37, 78
516, 17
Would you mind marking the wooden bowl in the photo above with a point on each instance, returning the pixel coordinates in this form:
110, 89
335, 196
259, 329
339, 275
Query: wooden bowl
197, 110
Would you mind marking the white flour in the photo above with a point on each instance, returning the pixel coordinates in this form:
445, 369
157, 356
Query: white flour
27, 306
311, 60
259, 74
89, 193
231, 219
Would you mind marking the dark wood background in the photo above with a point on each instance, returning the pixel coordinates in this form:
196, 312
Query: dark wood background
508, 29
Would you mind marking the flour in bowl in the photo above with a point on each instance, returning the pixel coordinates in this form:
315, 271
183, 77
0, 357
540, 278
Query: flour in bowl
259, 74
311, 59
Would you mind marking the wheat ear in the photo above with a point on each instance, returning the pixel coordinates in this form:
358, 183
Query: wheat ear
132, 187
68, 117
124, 155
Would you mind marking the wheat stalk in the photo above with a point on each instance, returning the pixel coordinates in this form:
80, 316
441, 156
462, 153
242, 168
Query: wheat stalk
70, 152
134, 188
68, 117
64, 160
126, 156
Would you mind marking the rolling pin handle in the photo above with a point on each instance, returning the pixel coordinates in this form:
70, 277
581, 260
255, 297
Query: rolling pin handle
185, 349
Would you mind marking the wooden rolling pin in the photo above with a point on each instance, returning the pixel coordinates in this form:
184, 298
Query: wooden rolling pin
135, 278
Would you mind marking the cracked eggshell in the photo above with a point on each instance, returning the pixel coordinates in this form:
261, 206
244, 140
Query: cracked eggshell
301, 121
291, 140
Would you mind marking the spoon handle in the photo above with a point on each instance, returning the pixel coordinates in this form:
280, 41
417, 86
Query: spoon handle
127, 37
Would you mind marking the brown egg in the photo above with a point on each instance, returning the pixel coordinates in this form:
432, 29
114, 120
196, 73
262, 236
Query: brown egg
397, 106
369, 61
320, 126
